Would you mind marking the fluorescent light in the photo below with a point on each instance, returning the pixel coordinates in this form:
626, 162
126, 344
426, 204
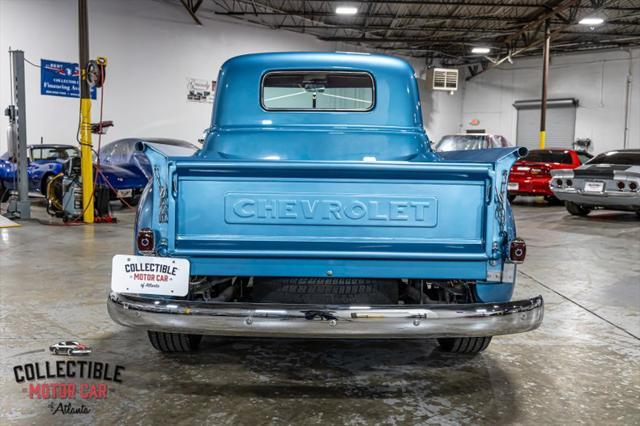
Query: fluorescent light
346, 10
480, 50
591, 20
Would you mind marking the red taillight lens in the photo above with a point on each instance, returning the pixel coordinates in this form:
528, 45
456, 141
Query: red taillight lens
517, 250
145, 241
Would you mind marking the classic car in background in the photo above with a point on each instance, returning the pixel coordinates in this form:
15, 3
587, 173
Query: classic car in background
123, 153
531, 175
47, 161
608, 181
469, 141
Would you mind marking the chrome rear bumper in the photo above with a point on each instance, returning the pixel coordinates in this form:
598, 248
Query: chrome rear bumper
313, 321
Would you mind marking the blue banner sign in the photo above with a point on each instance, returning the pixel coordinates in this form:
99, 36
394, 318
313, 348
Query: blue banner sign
61, 79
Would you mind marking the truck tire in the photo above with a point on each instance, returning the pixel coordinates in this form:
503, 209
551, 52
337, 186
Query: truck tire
577, 209
174, 342
4, 193
464, 345
325, 290
553, 200
131, 201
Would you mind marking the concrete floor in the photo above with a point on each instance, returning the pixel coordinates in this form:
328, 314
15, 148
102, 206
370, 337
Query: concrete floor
581, 366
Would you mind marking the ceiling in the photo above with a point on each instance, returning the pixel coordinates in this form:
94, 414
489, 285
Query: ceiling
444, 32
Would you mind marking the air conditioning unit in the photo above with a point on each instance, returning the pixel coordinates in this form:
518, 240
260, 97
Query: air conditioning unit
445, 79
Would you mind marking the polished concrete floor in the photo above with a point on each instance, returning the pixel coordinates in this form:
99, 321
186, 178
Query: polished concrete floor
581, 366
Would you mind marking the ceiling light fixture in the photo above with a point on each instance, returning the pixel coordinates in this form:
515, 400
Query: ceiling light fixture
591, 20
482, 50
346, 10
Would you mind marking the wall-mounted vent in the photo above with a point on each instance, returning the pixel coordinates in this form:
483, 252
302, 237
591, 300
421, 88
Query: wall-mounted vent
445, 79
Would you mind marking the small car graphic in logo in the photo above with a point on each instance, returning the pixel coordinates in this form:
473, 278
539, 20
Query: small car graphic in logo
69, 348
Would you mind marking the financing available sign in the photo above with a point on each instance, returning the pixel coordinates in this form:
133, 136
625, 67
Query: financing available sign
61, 79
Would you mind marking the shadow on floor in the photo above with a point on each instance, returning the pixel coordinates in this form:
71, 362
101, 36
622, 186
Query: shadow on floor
287, 369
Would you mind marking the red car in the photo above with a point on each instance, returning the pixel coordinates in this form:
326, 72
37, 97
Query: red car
531, 175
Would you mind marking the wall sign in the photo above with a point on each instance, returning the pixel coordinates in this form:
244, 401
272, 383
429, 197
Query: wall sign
61, 79
199, 90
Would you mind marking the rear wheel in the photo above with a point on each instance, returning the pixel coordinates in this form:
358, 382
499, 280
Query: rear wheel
511, 197
552, 200
130, 201
174, 342
464, 345
5, 193
577, 209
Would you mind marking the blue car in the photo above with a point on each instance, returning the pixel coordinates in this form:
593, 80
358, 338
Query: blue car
48, 160
122, 153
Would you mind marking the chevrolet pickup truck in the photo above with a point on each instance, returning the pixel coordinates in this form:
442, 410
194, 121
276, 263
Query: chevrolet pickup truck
316, 209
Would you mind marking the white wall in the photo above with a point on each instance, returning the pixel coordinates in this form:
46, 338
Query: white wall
152, 47
441, 111
596, 79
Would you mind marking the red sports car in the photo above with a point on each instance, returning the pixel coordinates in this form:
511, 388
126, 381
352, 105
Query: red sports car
531, 175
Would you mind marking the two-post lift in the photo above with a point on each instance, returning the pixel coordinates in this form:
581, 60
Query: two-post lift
91, 73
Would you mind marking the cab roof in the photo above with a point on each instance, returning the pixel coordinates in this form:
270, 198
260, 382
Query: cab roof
237, 101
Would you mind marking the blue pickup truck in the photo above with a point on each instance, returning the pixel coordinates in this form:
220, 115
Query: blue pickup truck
316, 209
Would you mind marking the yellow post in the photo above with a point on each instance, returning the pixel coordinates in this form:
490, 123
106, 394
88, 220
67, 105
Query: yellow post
541, 140
86, 151
86, 159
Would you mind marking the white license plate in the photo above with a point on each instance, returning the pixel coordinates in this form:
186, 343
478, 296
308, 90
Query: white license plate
513, 186
125, 193
162, 276
593, 186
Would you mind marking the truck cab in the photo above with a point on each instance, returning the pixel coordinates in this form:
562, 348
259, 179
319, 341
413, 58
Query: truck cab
317, 209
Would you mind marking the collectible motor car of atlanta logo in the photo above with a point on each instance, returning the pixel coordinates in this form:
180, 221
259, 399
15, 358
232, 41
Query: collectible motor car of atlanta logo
68, 383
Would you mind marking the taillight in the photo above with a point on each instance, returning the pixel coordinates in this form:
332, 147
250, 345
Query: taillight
145, 241
517, 250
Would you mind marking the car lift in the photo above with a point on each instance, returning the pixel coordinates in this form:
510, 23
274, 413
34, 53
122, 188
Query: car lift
17, 138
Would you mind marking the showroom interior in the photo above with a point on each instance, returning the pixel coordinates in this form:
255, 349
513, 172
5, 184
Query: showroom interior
378, 211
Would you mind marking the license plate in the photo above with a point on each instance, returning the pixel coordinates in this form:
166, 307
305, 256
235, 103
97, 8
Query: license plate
593, 186
125, 193
162, 276
513, 186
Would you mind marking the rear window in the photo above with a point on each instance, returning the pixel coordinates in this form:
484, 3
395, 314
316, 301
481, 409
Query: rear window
617, 157
317, 91
542, 156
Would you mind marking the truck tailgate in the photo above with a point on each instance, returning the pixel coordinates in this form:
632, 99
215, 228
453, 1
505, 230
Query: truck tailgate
330, 210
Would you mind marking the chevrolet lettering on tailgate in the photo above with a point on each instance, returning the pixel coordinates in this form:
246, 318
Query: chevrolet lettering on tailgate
348, 210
